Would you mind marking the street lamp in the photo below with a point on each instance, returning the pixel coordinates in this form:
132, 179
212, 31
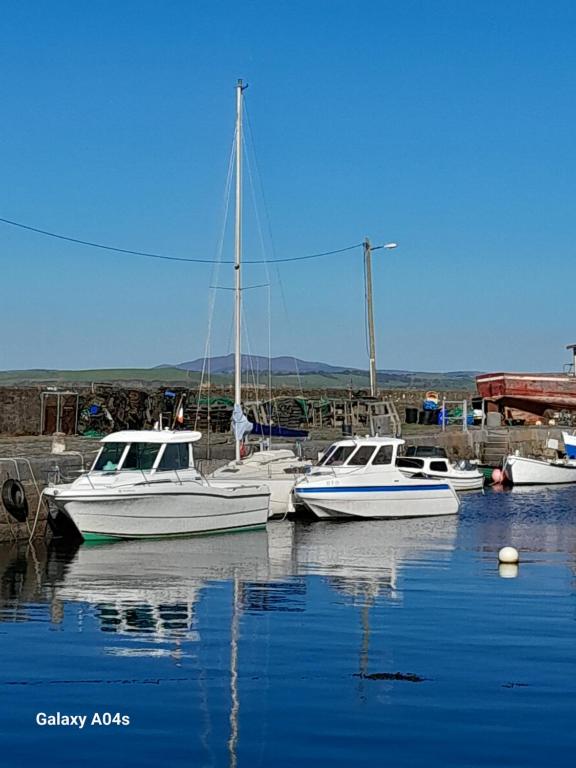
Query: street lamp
368, 248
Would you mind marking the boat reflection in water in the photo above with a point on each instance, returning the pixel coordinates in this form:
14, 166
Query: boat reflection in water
363, 561
363, 558
149, 589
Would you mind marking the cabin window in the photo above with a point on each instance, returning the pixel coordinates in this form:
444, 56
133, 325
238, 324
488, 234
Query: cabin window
141, 456
175, 456
384, 455
339, 456
409, 463
109, 457
362, 456
327, 453
438, 466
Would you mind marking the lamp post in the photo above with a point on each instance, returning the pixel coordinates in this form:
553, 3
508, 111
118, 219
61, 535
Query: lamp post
368, 248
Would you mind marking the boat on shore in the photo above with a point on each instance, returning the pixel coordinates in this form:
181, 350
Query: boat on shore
143, 484
531, 392
358, 477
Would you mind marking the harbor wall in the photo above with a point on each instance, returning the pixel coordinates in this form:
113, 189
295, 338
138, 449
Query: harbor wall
37, 465
106, 408
20, 410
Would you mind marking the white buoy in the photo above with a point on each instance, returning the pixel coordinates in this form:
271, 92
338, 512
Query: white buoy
508, 570
508, 555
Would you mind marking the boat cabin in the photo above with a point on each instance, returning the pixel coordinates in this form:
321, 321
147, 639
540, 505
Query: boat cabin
361, 452
146, 450
429, 464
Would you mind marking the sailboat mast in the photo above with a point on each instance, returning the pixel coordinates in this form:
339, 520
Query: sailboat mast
238, 257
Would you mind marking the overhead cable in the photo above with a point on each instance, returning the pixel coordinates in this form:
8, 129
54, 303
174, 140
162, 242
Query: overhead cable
147, 255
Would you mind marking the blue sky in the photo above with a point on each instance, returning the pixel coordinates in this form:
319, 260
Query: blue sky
447, 127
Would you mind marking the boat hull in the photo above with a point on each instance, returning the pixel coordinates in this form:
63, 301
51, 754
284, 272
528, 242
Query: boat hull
281, 500
277, 469
473, 482
569, 444
531, 392
379, 501
152, 514
522, 471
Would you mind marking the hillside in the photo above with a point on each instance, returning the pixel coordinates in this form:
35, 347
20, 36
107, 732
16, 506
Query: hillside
177, 376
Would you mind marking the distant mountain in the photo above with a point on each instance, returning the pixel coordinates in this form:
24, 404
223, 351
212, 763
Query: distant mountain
280, 365
285, 365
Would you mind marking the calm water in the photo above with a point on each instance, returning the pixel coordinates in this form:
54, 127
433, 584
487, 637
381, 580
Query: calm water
280, 648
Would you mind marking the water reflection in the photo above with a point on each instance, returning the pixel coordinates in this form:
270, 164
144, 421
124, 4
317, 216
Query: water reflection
363, 558
151, 588
26, 573
534, 519
230, 646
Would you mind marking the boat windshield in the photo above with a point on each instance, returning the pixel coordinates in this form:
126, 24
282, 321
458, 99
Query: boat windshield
362, 456
339, 456
175, 456
141, 456
384, 455
109, 457
327, 453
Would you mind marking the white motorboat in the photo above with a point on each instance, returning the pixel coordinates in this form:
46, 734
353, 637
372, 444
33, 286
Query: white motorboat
358, 477
279, 469
144, 484
462, 476
520, 470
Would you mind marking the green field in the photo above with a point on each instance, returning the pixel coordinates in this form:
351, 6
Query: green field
178, 377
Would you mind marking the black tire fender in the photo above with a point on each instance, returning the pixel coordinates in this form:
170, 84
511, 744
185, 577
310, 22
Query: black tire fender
14, 499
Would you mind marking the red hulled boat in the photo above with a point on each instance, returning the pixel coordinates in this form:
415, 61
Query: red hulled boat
531, 392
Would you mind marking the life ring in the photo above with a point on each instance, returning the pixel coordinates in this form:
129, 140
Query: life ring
14, 499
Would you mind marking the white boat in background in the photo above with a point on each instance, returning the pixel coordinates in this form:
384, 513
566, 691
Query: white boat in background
144, 484
279, 469
461, 476
358, 477
569, 444
520, 470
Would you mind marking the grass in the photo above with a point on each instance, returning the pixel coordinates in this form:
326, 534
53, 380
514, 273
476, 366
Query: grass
178, 377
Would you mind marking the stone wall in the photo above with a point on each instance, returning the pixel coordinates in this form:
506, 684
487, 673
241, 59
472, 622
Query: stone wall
19, 410
130, 408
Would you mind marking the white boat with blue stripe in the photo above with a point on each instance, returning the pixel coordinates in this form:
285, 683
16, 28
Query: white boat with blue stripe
358, 477
569, 444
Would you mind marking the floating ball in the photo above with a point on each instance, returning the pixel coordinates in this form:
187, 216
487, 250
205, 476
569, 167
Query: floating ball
508, 570
497, 476
508, 555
